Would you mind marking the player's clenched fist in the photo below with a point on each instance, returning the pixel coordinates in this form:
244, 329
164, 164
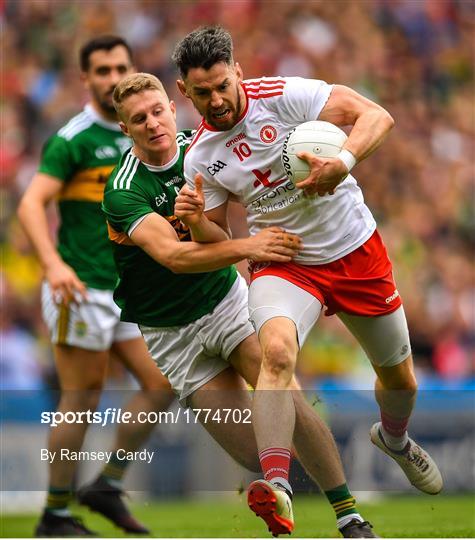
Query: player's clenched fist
189, 204
274, 244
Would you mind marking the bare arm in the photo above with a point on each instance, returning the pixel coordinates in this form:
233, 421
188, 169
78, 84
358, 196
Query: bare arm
371, 123
32, 215
159, 240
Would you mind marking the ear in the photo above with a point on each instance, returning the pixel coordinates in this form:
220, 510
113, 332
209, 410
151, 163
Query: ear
124, 129
84, 79
238, 70
182, 88
173, 109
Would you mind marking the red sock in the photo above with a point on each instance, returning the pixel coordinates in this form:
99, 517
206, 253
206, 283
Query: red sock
396, 427
275, 462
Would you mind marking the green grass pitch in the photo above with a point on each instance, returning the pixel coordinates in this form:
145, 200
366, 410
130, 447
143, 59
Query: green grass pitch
415, 516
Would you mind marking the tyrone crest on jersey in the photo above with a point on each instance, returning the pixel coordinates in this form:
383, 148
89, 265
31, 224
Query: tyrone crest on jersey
268, 134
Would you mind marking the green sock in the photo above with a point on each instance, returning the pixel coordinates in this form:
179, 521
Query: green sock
342, 501
58, 500
114, 471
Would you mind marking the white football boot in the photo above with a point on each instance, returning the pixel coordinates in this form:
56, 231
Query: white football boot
417, 465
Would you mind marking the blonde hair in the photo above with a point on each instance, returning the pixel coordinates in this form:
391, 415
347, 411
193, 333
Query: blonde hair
134, 84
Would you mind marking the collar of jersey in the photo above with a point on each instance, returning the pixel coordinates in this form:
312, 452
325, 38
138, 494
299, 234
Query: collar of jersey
89, 109
161, 168
241, 117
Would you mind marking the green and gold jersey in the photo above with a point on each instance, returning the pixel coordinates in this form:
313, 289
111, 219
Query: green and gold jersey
149, 293
82, 155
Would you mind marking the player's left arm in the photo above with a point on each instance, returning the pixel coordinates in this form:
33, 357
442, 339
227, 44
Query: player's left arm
371, 123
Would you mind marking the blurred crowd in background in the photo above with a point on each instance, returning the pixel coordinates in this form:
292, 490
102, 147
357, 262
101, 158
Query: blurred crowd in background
414, 57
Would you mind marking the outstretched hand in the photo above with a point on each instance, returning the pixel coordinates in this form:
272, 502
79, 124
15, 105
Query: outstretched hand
189, 204
325, 174
274, 244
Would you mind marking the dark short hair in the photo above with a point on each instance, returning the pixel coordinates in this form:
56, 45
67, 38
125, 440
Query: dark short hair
203, 48
101, 43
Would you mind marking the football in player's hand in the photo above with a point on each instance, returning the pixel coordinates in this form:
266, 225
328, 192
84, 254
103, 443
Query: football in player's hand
318, 137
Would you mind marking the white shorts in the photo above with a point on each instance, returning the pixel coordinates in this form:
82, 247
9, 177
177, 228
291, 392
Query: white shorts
385, 339
93, 324
191, 355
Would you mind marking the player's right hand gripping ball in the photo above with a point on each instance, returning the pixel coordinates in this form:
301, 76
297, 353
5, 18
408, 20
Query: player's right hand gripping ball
320, 138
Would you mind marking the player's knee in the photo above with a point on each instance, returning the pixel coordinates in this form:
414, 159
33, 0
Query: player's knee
278, 360
80, 400
405, 381
409, 384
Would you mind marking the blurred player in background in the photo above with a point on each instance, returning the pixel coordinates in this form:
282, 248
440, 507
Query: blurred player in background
190, 305
343, 266
77, 302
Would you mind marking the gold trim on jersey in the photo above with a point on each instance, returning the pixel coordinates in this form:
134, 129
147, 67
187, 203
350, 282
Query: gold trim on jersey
119, 237
63, 324
182, 230
87, 185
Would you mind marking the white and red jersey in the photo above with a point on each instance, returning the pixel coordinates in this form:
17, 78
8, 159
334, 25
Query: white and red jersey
245, 163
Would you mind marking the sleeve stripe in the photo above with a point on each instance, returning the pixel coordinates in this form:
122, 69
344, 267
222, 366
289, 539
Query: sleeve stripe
261, 95
78, 118
131, 176
69, 131
264, 81
122, 171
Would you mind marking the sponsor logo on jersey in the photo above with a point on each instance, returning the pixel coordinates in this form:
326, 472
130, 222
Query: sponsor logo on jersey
105, 152
235, 140
174, 180
268, 134
392, 297
277, 199
216, 167
161, 199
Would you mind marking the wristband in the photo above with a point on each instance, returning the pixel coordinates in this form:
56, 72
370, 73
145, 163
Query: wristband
348, 158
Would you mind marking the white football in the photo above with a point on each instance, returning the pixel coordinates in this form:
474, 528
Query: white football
320, 138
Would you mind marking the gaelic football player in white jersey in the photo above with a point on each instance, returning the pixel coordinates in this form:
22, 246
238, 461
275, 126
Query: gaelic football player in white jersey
197, 326
343, 266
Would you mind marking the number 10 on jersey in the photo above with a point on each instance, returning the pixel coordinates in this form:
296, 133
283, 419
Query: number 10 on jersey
242, 151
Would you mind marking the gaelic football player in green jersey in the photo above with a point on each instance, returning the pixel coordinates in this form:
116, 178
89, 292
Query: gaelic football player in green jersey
189, 303
77, 294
